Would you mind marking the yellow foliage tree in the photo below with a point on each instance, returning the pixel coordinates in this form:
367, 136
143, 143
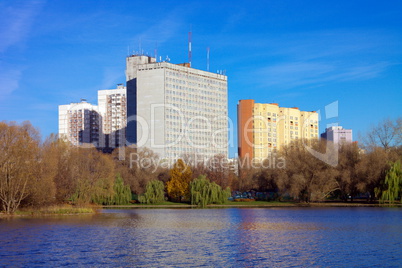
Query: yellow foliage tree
19, 154
178, 186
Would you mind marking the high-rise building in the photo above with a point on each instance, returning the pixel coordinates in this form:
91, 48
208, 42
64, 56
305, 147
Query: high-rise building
113, 109
263, 128
80, 123
338, 135
176, 110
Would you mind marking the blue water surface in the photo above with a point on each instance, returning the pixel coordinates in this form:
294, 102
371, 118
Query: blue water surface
230, 237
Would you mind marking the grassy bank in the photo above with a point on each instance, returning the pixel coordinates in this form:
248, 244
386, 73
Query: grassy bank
165, 204
90, 209
57, 210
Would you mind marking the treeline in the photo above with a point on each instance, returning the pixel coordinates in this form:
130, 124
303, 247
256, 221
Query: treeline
320, 171
307, 178
35, 173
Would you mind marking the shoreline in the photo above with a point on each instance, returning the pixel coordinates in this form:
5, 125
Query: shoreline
253, 205
96, 209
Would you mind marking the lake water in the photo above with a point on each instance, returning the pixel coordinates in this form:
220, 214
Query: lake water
230, 237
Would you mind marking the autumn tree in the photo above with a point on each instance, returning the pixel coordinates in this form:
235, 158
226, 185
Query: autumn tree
267, 179
386, 134
197, 164
372, 170
246, 180
139, 167
178, 185
42, 186
19, 147
347, 176
218, 170
307, 177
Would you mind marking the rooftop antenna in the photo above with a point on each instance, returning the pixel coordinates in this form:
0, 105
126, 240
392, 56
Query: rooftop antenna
156, 51
139, 46
207, 59
189, 46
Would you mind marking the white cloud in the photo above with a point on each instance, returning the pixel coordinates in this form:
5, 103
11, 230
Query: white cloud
292, 74
9, 78
16, 19
316, 58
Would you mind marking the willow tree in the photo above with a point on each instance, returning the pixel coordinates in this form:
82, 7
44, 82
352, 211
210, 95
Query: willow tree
178, 186
393, 184
93, 178
122, 192
204, 192
155, 193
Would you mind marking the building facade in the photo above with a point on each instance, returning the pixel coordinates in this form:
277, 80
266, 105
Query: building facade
338, 135
80, 124
113, 110
263, 128
176, 110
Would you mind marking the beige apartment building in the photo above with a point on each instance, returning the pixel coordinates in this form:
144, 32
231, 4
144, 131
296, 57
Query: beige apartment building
264, 128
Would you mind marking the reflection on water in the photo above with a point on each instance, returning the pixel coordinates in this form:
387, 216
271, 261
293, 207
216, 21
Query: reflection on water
247, 237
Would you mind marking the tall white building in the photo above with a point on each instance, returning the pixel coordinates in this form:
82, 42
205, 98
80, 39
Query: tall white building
113, 109
176, 110
80, 123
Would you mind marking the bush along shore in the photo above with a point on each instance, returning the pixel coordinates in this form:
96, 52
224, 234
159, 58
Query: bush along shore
252, 203
39, 176
65, 209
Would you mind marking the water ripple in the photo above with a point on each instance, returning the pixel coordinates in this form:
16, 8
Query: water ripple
249, 237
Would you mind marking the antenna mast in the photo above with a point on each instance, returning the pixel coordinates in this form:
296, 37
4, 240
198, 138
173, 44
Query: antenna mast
189, 47
156, 51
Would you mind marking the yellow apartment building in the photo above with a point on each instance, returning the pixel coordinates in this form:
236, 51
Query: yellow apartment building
263, 128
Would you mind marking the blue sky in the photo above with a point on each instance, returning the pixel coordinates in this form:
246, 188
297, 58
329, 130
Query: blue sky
306, 54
